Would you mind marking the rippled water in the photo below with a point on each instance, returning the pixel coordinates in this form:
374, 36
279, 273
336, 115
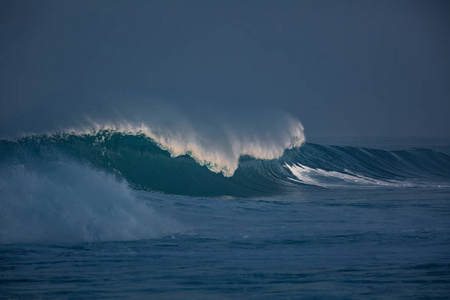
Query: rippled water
318, 244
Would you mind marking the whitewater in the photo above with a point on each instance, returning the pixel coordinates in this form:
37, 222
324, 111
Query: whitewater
183, 208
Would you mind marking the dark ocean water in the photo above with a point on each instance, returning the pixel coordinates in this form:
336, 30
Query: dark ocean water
113, 216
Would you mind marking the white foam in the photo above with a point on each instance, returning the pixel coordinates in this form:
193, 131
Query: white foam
63, 201
322, 178
217, 145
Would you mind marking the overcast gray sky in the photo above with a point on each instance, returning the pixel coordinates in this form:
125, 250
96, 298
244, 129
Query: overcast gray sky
344, 68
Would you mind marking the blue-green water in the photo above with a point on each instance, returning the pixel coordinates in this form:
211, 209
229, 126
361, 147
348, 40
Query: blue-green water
117, 217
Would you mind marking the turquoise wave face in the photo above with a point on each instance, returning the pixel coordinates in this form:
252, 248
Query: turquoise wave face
144, 165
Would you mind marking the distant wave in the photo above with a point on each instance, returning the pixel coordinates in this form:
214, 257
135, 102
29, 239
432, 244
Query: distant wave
154, 165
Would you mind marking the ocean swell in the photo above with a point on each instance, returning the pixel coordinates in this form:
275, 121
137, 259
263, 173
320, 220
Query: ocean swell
144, 164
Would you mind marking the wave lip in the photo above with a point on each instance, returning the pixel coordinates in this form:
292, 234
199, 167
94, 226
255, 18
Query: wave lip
215, 140
221, 153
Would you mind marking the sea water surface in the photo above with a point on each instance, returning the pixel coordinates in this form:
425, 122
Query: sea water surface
114, 215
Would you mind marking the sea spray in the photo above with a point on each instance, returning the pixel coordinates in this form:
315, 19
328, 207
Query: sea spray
145, 164
60, 200
215, 138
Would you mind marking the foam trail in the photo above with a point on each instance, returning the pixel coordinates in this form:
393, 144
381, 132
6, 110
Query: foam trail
322, 178
64, 201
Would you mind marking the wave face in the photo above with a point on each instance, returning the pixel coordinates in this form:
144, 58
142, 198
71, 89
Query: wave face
148, 164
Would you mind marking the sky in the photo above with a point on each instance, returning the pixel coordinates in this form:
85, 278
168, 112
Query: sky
343, 68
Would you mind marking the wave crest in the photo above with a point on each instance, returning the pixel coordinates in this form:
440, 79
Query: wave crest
143, 163
219, 149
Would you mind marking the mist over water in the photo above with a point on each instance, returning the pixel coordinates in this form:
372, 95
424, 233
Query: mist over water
216, 136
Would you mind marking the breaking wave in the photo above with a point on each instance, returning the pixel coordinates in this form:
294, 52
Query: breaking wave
149, 164
81, 186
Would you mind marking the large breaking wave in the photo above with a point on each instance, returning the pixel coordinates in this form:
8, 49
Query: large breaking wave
80, 185
149, 164
77, 184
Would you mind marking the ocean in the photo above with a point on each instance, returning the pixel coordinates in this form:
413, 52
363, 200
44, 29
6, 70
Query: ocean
120, 214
